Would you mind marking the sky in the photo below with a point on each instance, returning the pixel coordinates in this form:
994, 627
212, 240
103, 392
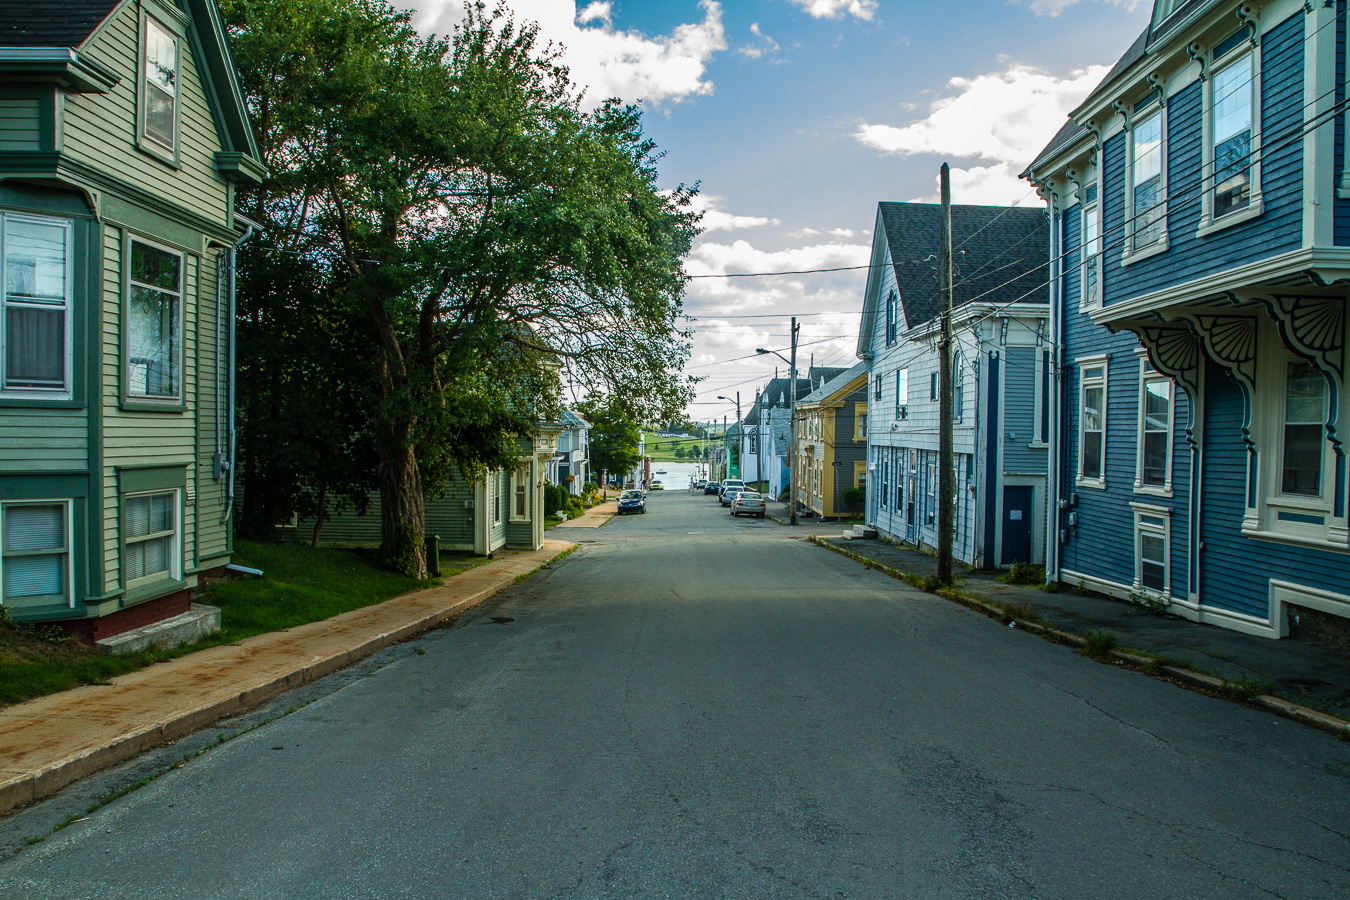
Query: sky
796, 117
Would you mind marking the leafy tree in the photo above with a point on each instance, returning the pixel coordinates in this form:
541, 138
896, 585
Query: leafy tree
615, 435
679, 452
481, 234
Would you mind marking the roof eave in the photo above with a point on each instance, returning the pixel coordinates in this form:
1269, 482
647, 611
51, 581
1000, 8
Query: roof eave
62, 65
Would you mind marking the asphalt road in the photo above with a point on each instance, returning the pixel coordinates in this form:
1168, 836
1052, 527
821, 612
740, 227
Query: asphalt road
693, 706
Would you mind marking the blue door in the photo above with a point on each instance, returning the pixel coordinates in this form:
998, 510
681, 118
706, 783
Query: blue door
1016, 524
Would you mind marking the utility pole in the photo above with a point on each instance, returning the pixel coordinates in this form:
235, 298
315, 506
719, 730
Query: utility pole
946, 503
792, 425
759, 447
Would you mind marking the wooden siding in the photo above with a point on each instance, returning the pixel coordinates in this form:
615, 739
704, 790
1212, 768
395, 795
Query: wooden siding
1341, 209
1019, 411
19, 124
43, 440
447, 517
211, 424
1277, 230
100, 129
1102, 543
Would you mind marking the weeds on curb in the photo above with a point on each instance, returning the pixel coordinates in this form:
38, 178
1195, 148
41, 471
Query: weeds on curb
1099, 644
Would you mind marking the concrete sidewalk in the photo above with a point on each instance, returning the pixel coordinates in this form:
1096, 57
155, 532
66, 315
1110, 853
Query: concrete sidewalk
1294, 670
594, 517
46, 744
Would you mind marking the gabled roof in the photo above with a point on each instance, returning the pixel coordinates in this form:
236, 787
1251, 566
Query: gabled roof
846, 382
999, 256
574, 420
51, 23
778, 392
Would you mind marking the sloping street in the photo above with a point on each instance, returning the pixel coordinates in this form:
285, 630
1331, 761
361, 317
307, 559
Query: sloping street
698, 706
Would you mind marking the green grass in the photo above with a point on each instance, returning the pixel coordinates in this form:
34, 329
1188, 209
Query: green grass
663, 449
299, 585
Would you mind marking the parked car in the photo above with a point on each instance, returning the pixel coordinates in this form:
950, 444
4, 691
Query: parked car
632, 501
749, 503
712, 487
728, 485
656, 486
731, 493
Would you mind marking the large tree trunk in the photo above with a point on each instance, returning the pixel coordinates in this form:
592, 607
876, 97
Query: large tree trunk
403, 519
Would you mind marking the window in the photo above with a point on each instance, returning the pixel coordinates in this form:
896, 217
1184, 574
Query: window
933, 387
1232, 130
37, 287
1304, 414
36, 559
901, 393
883, 461
160, 103
1092, 250
890, 318
930, 507
958, 387
876, 387
151, 534
520, 480
859, 421
1146, 168
1151, 543
1155, 433
154, 316
1092, 423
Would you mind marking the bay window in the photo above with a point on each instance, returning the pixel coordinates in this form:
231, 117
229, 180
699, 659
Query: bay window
1303, 437
1155, 433
38, 277
36, 554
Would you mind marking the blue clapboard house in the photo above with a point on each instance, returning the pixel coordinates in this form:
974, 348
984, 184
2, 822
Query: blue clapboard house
1200, 233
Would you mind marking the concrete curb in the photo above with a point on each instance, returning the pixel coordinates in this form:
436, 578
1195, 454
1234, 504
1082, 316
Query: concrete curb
21, 788
1208, 684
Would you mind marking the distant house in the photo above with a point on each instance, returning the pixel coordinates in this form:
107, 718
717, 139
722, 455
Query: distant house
767, 444
570, 465
832, 442
122, 136
1201, 207
501, 508
1001, 383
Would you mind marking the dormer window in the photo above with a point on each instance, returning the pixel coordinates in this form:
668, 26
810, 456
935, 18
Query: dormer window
159, 89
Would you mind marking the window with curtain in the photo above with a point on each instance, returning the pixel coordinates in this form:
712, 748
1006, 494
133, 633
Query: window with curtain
154, 322
1304, 413
1232, 131
37, 288
35, 554
150, 535
161, 85
1147, 169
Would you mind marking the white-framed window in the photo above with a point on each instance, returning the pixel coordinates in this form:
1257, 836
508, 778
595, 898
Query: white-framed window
1092, 257
35, 542
876, 387
901, 393
932, 387
958, 387
1153, 471
860, 421
154, 322
1092, 422
1231, 121
891, 316
1147, 184
36, 326
150, 536
930, 508
1152, 549
883, 463
159, 86
520, 493
1303, 437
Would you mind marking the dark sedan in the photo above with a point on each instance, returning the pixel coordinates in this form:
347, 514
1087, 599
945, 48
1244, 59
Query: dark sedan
711, 487
632, 502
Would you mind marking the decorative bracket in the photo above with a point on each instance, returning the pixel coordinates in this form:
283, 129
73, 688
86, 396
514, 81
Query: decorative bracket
1119, 106
1156, 80
1247, 16
1230, 341
1197, 52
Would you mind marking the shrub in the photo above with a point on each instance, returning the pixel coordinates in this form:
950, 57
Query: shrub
550, 500
1098, 644
1023, 573
591, 487
853, 500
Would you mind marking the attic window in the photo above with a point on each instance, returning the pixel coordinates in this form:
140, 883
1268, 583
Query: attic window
159, 115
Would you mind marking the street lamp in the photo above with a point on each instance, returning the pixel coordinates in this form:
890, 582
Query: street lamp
792, 418
739, 442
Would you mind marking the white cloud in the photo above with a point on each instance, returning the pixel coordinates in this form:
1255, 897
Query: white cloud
716, 219
767, 44
833, 9
1053, 8
607, 61
1001, 118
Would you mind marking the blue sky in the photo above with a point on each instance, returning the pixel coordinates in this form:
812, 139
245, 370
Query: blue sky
798, 116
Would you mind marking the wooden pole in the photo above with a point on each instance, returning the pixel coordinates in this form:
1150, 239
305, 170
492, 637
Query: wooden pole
946, 455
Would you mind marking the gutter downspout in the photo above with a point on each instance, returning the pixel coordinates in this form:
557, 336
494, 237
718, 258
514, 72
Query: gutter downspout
229, 461
1053, 516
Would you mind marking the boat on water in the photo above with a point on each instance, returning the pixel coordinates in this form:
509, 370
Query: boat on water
660, 471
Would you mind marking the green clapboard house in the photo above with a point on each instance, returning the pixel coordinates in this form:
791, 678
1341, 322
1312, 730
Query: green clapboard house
122, 137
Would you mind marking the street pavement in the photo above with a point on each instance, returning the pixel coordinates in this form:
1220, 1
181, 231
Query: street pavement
698, 706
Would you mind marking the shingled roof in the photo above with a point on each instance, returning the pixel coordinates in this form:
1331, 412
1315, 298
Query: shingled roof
999, 255
51, 23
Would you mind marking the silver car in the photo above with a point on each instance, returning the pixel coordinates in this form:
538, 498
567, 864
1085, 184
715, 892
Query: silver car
748, 503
